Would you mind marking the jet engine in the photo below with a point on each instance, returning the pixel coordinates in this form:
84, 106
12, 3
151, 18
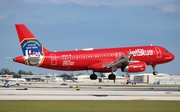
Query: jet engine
134, 67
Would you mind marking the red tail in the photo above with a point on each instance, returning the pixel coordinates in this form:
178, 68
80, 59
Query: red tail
30, 45
24, 33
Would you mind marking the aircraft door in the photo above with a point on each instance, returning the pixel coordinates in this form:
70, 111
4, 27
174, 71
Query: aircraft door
158, 52
53, 59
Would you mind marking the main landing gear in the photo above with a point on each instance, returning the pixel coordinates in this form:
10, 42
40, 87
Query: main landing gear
154, 71
93, 76
111, 76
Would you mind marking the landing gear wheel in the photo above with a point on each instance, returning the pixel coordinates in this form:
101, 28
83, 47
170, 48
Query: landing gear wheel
112, 77
93, 76
155, 73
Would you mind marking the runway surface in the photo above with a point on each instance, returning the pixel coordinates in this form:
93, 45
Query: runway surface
90, 93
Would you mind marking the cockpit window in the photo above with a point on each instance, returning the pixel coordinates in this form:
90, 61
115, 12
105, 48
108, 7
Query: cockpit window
166, 50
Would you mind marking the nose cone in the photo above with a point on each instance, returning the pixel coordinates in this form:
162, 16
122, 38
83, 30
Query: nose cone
172, 56
19, 59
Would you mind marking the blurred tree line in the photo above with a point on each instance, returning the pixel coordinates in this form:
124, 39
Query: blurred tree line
5, 71
66, 76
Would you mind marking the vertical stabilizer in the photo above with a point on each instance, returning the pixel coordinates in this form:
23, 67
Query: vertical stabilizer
33, 50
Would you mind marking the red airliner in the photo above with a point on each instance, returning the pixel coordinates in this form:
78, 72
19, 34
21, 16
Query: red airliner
128, 59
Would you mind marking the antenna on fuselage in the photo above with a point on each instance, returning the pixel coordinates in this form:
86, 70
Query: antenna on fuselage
151, 45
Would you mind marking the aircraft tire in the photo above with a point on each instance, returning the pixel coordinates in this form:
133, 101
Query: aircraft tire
155, 73
112, 77
93, 76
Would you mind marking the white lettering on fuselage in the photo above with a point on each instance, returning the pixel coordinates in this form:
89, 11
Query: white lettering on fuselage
141, 52
137, 66
67, 63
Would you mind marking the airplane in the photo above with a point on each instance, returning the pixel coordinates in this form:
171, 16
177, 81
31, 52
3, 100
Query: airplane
128, 59
15, 79
128, 81
7, 83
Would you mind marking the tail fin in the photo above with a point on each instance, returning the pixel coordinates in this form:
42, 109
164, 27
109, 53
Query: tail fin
7, 76
30, 45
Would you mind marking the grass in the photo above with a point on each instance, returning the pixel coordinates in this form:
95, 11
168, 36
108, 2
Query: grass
88, 106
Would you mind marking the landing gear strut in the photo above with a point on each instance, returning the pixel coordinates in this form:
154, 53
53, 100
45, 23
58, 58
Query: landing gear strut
112, 76
154, 71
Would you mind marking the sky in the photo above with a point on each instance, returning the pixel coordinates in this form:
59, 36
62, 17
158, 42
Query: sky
76, 24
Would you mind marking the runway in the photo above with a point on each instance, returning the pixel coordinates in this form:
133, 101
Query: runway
91, 93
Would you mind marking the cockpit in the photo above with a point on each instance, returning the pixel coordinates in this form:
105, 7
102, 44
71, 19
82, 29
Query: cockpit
168, 55
166, 50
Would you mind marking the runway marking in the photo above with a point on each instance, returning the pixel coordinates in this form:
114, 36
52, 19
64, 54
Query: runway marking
91, 93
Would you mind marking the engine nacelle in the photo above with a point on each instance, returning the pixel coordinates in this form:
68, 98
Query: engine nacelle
134, 67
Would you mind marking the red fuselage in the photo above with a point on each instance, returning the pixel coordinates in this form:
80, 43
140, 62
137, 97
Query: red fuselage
83, 59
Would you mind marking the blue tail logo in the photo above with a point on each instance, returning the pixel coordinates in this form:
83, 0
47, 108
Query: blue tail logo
31, 47
32, 50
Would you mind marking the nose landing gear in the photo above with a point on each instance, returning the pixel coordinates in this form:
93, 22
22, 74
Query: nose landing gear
154, 71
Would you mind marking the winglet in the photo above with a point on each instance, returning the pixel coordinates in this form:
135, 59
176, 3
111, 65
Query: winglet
7, 76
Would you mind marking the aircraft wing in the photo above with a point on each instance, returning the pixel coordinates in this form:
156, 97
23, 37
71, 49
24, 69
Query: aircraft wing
7, 84
123, 61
